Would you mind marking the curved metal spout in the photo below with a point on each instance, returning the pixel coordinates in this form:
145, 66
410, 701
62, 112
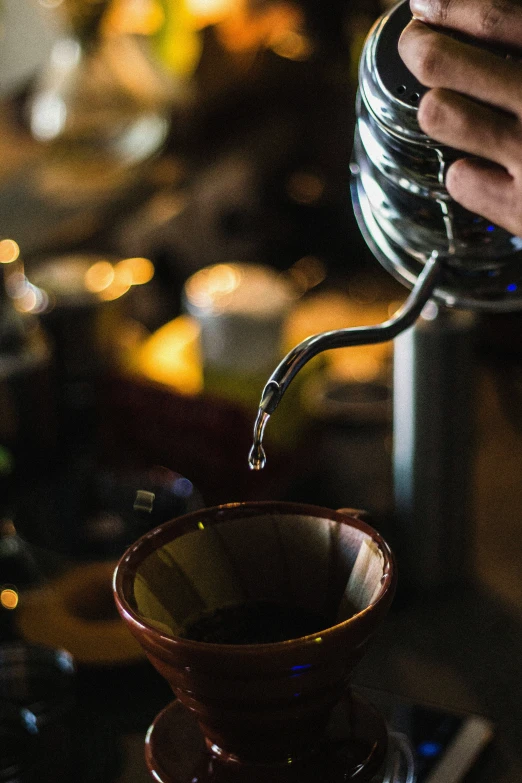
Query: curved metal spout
339, 338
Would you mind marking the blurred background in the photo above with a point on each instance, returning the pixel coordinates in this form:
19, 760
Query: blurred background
175, 211
174, 217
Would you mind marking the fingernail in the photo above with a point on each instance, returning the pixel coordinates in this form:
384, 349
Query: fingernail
421, 9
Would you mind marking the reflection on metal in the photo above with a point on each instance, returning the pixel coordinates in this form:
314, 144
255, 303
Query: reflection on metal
433, 423
257, 456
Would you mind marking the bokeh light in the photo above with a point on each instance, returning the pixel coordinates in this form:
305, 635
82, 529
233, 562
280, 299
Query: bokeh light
9, 598
9, 251
99, 276
172, 356
141, 270
208, 287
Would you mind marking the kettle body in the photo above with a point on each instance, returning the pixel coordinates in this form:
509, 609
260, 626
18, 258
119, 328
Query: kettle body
402, 206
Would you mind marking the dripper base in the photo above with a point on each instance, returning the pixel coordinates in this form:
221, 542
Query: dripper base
353, 749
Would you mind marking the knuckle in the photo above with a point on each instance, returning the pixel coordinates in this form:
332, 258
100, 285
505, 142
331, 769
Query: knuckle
492, 16
422, 52
454, 177
431, 114
443, 9
408, 40
430, 61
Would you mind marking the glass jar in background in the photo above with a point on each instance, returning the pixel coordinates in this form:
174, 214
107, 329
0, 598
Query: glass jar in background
80, 131
103, 98
241, 310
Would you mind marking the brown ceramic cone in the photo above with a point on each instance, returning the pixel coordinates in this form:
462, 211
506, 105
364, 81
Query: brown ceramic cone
270, 702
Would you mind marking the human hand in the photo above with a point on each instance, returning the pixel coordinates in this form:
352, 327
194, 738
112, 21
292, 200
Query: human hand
475, 104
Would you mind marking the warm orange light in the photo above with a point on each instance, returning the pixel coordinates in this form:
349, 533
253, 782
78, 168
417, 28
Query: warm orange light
172, 356
28, 301
394, 306
141, 270
205, 12
99, 276
363, 367
223, 279
334, 310
244, 30
119, 286
305, 187
138, 17
9, 598
292, 46
207, 287
206, 7
27, 298
9, 251
308, 272
15, 283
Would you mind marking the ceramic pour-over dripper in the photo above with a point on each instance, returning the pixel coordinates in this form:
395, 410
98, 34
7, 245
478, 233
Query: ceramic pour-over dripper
317, 579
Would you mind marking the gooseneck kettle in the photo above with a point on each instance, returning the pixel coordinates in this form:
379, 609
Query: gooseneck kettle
456, 264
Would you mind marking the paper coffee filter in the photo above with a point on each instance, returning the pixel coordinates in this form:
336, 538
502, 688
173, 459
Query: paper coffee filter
365, 579
323, 565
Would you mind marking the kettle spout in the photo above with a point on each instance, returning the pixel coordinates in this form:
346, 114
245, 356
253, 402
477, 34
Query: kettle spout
288, 368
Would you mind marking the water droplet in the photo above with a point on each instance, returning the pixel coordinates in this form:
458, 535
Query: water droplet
257, 457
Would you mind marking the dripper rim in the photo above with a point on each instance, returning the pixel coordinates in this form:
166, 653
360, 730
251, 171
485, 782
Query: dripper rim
126, 568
